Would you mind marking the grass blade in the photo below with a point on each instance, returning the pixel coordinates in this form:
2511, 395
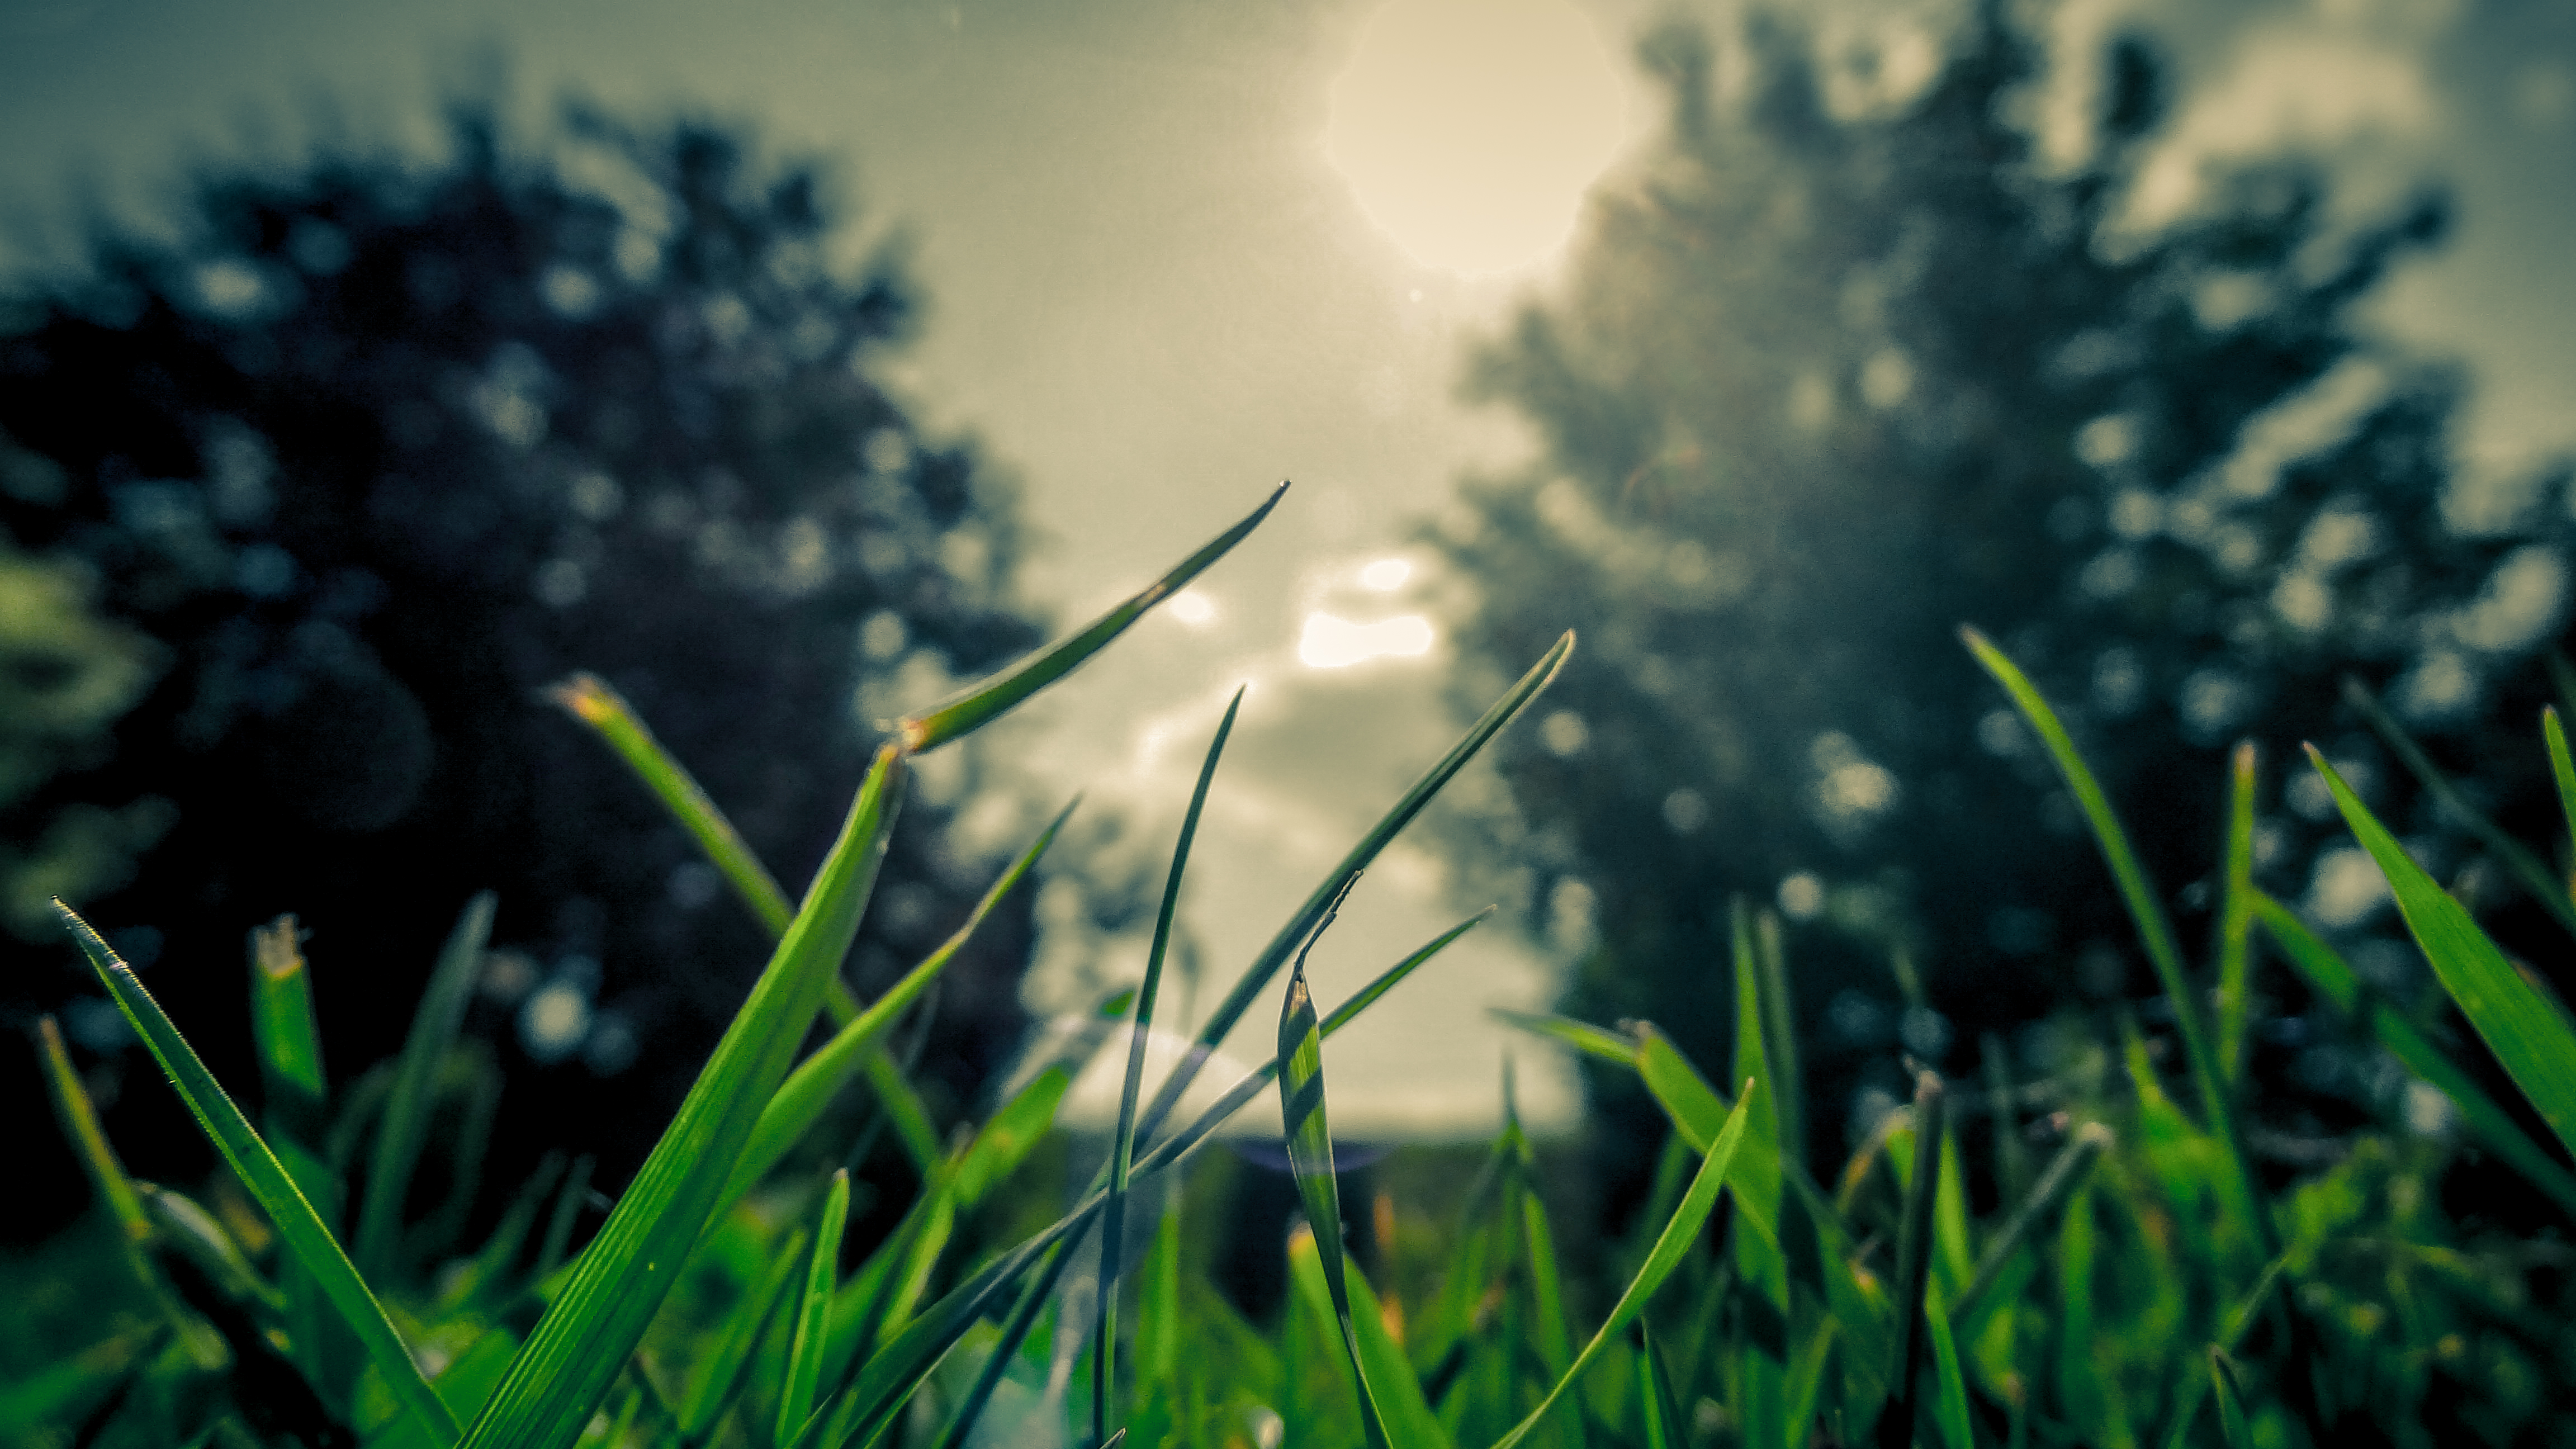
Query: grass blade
2561, 770
1670, 1247
1310, 1159
1659, 1413
805, 1349
405, 1127
297, 1224
1895, 1428
289, 1040
2065, 1174
564, 1372
980, 704
1762, 1363
1950, 1399
1256, 977
2236, 918
2526, 868
800, 1101
590, 699
1392, 1386
2154, 931
1594, 1041
79, 1119
2231, 1405
1122, 1150
1780, 1036
2187, 1400
2524, 1029
2332, 978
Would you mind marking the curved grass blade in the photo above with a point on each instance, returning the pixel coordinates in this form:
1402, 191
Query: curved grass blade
183, 1224
1670, 1247
2236, 917
893, 1372
2534, 876
297, 1224
79, 1119
2154, 931
2332, 978
564, 1372
716, 1379
405, 1128
1392, 1386
1310, 1159
590, 699
1006, 1346
1617, 1048
1895, 1428
980, 704
2188, 1395
1659, 1413
2563, 771
2530, 1039
799, 1102
1122, 1151
2066, 1172
2231, 1401
805, 1350
1301, 925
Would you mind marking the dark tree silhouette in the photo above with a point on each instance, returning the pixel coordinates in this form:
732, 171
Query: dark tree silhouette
380, 447
1832, 377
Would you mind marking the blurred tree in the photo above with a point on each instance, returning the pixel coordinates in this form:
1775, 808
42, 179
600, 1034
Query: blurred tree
1842, 365
308, 504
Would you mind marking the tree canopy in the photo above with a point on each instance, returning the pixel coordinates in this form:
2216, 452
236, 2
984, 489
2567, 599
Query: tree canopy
1836, 370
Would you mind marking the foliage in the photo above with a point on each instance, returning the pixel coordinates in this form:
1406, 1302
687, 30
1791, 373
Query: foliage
1838, 366
375, 447
2151, 1285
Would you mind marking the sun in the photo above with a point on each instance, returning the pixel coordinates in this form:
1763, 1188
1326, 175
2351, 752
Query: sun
1470, 129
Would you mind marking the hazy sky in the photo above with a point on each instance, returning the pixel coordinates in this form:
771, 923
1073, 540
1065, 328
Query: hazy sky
1154, 294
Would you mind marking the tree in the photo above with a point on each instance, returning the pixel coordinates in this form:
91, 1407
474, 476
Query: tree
1836, 371
378, 449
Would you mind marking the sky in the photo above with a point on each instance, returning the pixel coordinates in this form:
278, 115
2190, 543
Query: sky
1178, 250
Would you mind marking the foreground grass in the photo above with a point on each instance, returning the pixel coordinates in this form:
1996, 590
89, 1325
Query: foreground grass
2139, 1278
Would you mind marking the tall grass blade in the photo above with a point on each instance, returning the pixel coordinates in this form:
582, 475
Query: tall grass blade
1780, 1036
716, 1379
2331, 977
805, 1349
1617, 1048
800, 1101
564, 1372
1895, 1428
591, 700
1310, 1160
1256, 977
1392, 1387
1659, 1414
297, 1225
980, 704
1760, 1266
1122, 1149
2563, 772
1950, 1397
1547, 1292
2236, 917
405, 1128
2526, 868
282, 1025
79, 1119
2066, 1172
2231, 1401
2154, 931
2186, 1406
1671, 1246
2530, 1038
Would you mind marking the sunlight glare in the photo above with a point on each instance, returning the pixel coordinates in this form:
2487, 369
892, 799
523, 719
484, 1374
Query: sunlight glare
1386, 574
1470, 129
1334, 643
1193, 608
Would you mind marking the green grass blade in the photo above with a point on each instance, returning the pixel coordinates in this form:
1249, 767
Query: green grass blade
1554, 1335
2332, 978
1671, 1246
2154, 931
2524, 1029
2236, 918
184, 1225
1659, 1413
1950, 1396
805, 1350
1006, 1346
2563, 771
1780, 1036
2231, 1401
1761, 1269
564, 1372
1610, 1046
1122, 1150
1309, 1140
297, 1224
405, 1128
980, 704
1915, 1249
2040, 1210
2187, 1400
1392, 1386
2526, 868
1256, 977
591, 700
800, 1101
79, 1119
1698, 1112
718, 1378
289, 1040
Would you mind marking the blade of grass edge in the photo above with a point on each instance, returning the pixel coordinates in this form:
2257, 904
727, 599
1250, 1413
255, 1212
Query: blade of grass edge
404, 1131
805, 1348
1670, 1246
297, 1224
1895, 1426
2064, 1174
2525, 867
2529, 1037
2236, 917
570, 1361
980, 704
2563, 771
1122, 1151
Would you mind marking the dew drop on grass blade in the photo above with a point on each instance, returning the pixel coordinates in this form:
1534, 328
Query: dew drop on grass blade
1671, 1246
2530, 1038
564, 1372
259, 1170
980, 704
